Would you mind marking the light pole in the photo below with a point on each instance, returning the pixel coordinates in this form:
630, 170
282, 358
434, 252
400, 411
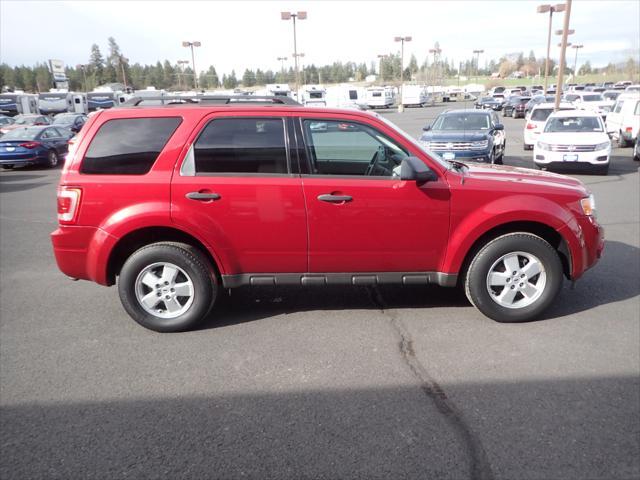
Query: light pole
301, 55
84, 75
565, 32
551, 9
575, 60
381, 57
477, 54
124, 77
436, 52
181, 64
299, 16
193, 60
282, 60
401, 40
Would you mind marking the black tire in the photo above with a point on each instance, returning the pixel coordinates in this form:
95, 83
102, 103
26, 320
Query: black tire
7, 167
476, 287
192, 262
514, 114
52, 159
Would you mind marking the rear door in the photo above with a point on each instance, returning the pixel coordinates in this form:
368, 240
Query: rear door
239, 191
362, 217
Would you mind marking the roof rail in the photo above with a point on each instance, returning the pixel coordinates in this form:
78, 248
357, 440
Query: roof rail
211, 99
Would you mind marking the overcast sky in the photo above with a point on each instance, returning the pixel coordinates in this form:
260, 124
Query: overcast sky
241, 34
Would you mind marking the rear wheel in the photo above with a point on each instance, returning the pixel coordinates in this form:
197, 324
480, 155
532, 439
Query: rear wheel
52, 159
514, 278
514, 114
622, 142
167, 287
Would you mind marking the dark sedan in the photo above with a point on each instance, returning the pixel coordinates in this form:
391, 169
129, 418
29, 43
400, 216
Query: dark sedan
535, 100
488, 103
71, 121
515, 106
33, 145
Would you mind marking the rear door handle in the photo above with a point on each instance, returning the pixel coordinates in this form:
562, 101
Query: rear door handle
327, 197
202, 196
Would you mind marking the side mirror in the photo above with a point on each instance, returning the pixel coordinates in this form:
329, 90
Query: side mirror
427, 128
412, 168
498, 126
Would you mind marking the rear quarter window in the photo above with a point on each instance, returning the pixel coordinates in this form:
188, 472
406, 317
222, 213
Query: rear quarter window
128, 146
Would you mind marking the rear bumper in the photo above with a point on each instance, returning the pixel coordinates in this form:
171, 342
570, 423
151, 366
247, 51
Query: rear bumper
20, 160
82, 252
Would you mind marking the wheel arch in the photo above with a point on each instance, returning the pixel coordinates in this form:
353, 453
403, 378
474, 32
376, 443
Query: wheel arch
542, 230
136, 239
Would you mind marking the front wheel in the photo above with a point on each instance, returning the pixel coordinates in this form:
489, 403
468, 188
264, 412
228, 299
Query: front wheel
167, 287
514, 278
52, 159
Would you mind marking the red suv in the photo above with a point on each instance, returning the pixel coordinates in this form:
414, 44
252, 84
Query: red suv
175, 203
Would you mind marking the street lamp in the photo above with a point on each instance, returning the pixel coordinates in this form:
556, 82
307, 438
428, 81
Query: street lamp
381, 57
282, 60
304, 78
551, 9
401, 40
477, 54
193, 60
84, 74
575, 61
565, 32
436, 52
122, 61
299, 16
181, 63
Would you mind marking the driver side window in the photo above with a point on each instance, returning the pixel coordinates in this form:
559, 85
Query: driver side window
348, 148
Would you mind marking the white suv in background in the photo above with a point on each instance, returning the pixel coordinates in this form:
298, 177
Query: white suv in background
593, 101
575, 138
534, 122
623, 123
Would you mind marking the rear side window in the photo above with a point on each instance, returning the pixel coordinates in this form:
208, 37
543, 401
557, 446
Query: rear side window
128, 146
242, 145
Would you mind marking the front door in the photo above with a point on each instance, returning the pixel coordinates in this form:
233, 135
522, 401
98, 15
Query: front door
236, 191
362, 217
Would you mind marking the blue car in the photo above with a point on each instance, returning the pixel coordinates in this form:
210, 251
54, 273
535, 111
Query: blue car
33, 145
472, 135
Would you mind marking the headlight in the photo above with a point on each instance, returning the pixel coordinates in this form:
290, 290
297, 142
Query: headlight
589, 205
479, 145
603, 145
544, 146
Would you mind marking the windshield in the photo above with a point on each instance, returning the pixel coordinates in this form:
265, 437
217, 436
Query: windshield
416, 144
462, 121
573, 124
541, 114
21, 134
63, 119
20, 120
592, 98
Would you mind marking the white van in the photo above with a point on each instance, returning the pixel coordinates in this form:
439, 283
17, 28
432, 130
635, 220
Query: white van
380, 97
623, 122
345, 96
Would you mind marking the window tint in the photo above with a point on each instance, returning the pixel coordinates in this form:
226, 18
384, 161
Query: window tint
242, 145
48, 133
128, 146
618, 106
637, 110
353, 94
345, 148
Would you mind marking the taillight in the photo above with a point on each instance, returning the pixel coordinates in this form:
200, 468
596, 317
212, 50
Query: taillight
31, 145
628, 129
68, 204
530, 126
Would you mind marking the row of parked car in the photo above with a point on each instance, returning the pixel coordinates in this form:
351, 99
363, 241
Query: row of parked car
29, 139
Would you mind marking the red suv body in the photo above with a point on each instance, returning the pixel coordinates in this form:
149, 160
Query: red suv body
283, 195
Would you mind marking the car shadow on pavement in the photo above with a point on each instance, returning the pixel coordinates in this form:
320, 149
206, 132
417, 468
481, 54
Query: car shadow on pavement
18, 178
6, 187
606, 283
557, 428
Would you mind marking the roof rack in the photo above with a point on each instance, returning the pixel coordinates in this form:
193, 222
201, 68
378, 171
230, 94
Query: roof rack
211, 100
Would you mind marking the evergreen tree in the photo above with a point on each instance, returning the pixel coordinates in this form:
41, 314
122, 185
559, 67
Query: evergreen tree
248, 78
96, 65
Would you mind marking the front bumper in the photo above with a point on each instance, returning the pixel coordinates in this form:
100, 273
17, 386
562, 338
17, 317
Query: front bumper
586, 244
546, 157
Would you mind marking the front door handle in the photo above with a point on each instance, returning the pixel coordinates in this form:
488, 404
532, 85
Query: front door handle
327, 197
202, 196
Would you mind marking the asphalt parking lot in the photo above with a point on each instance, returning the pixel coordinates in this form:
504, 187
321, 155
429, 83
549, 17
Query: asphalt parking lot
335, 383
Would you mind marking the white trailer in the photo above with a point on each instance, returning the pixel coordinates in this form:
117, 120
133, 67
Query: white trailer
80, 104
15, 103
275, 90
52, 103
380, 97
415, 95
314, 95
345, 96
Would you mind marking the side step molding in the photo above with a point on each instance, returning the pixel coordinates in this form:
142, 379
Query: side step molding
360, 278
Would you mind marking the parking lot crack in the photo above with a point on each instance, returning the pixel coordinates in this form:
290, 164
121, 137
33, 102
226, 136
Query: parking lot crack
479, 465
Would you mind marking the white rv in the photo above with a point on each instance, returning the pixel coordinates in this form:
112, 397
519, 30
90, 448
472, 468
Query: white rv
345, 96
415, 95
80, 104
51, 103
380, 97
102, 100
314, 95
15, 103
275, 90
